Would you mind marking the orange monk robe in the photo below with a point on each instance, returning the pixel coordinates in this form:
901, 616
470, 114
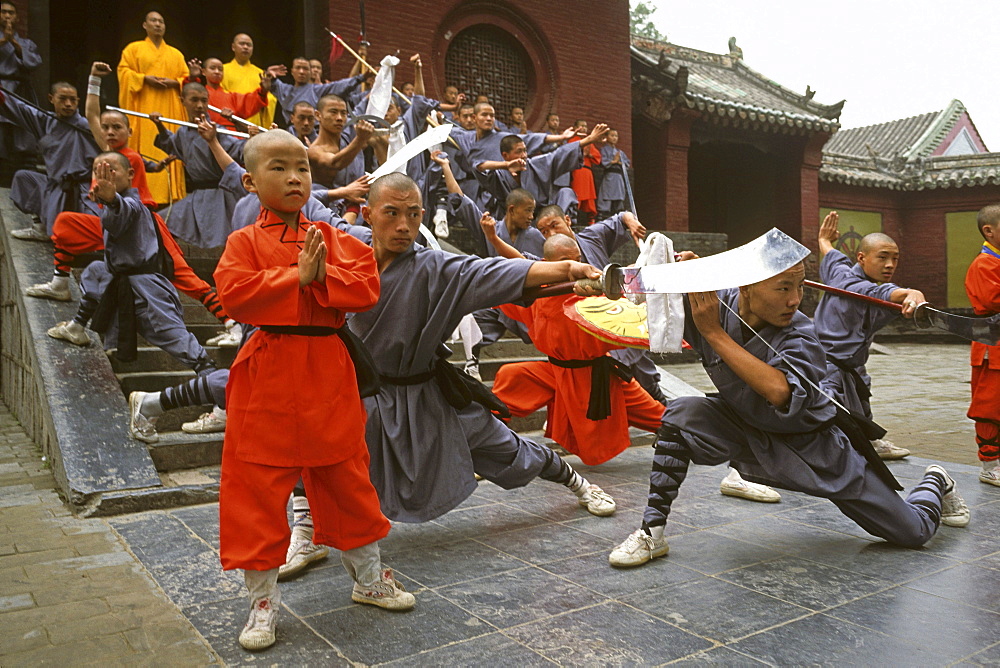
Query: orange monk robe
582, 180
293, 400
982, 285
527, 386
139, 60
238, 78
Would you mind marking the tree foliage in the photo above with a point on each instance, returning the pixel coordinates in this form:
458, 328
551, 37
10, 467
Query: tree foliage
641, 15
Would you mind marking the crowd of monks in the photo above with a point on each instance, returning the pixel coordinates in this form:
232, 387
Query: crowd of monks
334, 286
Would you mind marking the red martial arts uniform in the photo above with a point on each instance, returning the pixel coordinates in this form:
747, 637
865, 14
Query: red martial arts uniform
982, 284
243, 105
582, 179
527, 386
292, 400
74, 234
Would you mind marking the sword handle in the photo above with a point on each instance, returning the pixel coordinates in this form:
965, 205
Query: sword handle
553, 290
853, 295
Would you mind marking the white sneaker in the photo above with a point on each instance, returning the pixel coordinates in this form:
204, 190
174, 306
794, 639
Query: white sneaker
49, 291
637, 549
33, 233
954, 511
597, 501
258, 634
441, 224
734, 485
889, 450
387, 593
472, 368
139, 426
207, 423
228, 339
75, 336
991, 476
301, 552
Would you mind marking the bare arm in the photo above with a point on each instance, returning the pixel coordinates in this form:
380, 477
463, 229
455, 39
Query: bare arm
92, 107
546, 273
418, 74
502, 248
206, 129
762, 378
321, 157
598, 133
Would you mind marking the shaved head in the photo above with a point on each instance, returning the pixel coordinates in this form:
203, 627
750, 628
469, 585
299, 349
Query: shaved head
988, 216
560, 247
551, 210
193, 86
116, 114
394, 182
322, 103
256, 150
518, 197
115, 156
872, 241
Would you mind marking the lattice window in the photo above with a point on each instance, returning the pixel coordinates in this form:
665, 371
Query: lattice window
486, 60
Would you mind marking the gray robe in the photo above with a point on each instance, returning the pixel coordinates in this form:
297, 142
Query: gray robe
290, 95
612, 191
424, 451
846, 328
202, 217
130, 245
540, 178
68, 149
14, 76
796, 447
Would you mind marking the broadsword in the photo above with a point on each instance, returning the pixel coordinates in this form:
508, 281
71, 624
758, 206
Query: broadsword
766, 256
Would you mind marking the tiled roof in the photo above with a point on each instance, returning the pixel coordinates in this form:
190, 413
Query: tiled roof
907, 137
725, 89
920, 173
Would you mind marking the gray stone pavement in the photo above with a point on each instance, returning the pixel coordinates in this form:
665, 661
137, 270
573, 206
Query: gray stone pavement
521, 577
71, 592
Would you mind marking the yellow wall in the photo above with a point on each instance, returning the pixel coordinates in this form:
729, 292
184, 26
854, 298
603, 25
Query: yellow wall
853, 225
963, 242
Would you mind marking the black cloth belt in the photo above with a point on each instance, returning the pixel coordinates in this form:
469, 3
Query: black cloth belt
601, 369
191, 184
859, 383
364, 366
119, 298
459, 388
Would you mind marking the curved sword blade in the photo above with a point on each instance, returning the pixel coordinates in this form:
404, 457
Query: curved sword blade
766, 256
984, 329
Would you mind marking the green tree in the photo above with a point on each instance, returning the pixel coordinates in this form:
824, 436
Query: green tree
640, 15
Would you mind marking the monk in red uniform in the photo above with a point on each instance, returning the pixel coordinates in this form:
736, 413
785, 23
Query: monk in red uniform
293, 401
566, 381
582, 179
243, 105
982, 284
75, 233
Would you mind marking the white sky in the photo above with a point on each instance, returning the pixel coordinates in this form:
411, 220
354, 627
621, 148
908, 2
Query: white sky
888, 58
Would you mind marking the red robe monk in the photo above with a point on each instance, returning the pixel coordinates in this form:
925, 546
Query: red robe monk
582, 181
292, 401
982, 284
527, 386
244, 105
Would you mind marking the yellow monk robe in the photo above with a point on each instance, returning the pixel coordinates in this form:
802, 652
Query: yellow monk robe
238, 78
141, 59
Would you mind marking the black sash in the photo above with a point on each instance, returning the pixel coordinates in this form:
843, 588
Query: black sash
193, 185
859, 383
459, 388
861, 431
119, 298
364, 366
601, 369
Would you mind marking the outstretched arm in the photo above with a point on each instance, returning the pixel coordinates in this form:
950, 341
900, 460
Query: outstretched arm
418, 74
546, 273
502, 248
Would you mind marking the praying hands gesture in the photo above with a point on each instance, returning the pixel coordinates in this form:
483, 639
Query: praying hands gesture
312, 258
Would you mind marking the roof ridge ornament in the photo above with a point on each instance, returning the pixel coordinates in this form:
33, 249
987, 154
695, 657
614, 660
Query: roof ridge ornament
735, 52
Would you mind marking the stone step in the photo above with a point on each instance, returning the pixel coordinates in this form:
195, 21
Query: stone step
151, 358
178, 450
506, 347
